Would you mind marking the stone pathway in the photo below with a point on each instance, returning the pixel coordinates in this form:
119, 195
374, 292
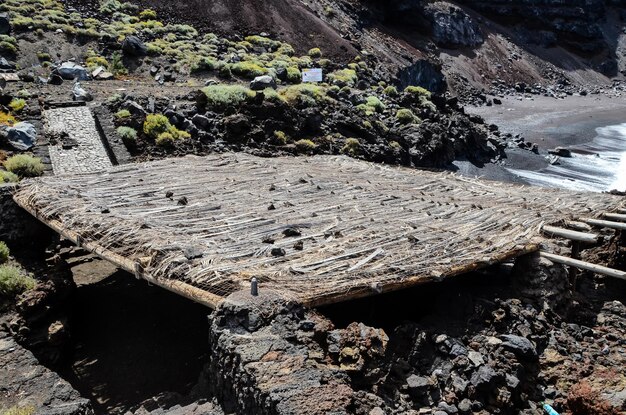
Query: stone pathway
81, 151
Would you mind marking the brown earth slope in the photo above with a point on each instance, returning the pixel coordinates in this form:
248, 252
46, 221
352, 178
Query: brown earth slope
288, 20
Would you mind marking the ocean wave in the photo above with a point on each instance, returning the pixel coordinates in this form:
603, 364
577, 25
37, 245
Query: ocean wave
598, 166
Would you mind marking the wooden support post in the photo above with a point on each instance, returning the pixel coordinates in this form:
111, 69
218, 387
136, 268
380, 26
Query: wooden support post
569, 234
605, 223
573, 271
598, 269
615, 216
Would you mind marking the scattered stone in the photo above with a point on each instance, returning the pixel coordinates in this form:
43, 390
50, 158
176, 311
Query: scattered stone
6, 65
278, 252
80, 94
476, 358
561, 152
292, 231
262, 82
134, 108
484, 378
417, 385
101, 74
201, 122
133, 46
22, 136
521, 346
55, 79
5, 24
183, 201
71, 71
447, 408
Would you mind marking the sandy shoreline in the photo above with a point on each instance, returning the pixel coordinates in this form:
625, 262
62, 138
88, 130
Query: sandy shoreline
549, 123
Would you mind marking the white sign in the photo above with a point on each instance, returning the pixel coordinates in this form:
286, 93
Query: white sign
312, 75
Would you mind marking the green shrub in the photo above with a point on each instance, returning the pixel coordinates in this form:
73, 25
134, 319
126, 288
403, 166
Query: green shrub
304, 94
127, 134
406, 116
352, 146
391, 91
94, 60
8, 177
222, 96
315, 53
375, 103
158, 127
17, 104
225, 71
4, 252
280, 138
153, 49
156, 124
271, 95
329, 11
148, 14
248, 69
305, 146
13, 281
24, 165
16, 410
115, 99
264, 42
165, 139
121, 114
110, 6
418, 91
9, 48
343, 77
44, 57
116, 66
294, 75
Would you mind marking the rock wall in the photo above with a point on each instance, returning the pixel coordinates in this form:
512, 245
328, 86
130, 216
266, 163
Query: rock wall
577, 25
270, 356
25, 383
17, 227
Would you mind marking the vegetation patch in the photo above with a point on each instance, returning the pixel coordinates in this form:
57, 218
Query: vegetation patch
343, 77
351, 147
127, 134
7, 119
4, 252
8, 177
305, 146
122, 114
159, 128
305, 94
248, 69
223, 96
406, 116
14, 281
24, 165
17, 104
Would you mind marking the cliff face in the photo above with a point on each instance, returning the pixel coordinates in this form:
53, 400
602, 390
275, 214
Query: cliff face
582, 26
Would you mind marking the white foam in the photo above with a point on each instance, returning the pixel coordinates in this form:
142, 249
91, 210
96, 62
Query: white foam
596, 166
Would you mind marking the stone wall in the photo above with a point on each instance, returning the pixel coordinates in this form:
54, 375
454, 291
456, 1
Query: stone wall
18, 227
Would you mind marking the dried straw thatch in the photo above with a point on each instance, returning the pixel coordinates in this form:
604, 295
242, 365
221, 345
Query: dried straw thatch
318, 229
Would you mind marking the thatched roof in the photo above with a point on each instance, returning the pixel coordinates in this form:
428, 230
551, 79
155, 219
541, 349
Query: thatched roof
317, 229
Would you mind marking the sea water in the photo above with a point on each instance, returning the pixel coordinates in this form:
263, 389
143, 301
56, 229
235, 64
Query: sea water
596, 166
